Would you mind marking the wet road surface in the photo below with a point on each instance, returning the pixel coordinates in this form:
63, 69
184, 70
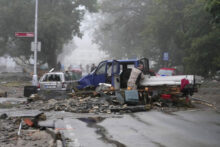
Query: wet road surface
195, 128
152, 129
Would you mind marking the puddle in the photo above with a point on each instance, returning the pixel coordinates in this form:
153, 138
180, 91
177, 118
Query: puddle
92, 120
105, 137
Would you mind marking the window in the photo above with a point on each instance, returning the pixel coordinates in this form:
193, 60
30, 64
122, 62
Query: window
109, 69
45, 78
101, 68
165, 72
52, 77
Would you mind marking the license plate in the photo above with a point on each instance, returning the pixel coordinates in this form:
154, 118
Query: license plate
50, 86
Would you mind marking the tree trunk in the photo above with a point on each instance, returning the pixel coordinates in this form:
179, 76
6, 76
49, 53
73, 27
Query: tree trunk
52, 60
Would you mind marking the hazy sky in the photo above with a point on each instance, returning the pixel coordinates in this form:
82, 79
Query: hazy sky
83, 51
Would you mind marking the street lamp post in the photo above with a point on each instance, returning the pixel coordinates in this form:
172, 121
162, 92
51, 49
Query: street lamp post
35, 79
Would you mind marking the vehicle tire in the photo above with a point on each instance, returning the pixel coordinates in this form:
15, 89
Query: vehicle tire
28, 90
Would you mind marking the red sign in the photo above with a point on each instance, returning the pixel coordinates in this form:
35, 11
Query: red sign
24, 34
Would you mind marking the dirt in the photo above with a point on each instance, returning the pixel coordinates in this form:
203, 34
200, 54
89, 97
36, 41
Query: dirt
13, 84
28, 137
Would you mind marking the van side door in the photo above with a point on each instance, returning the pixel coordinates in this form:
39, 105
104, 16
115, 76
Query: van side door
115, 79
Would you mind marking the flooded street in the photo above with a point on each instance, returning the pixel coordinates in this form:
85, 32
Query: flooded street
109, 73
159, 127
153, 129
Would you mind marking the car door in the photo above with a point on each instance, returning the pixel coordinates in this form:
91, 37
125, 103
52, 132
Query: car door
100, 74
115, 74
145, 62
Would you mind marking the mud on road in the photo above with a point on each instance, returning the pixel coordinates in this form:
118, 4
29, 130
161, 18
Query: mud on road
13, 84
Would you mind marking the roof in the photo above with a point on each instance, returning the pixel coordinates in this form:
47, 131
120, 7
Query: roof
125, 61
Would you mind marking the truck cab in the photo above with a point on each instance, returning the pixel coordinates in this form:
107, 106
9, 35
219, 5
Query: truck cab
114, 72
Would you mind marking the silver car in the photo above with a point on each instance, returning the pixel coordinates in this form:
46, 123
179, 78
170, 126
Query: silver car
55, 81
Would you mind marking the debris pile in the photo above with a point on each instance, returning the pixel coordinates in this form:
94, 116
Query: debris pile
92, 102
19, 131
79, 105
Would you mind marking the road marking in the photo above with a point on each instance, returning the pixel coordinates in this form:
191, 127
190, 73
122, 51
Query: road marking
72, 135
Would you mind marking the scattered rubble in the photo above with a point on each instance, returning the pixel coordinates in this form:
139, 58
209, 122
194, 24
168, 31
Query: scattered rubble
98, 102
102, 100
19, 131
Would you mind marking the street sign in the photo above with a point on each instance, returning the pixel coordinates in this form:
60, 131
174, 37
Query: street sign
165, 56
24, 34
38, 46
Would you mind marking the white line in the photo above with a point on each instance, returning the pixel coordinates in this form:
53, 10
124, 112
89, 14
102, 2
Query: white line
73, 136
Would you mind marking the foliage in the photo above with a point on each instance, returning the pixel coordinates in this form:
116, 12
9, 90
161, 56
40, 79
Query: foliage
183, 28
213, 6
58, 22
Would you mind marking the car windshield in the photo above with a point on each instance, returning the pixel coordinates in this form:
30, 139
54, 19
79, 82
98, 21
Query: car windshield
165, 72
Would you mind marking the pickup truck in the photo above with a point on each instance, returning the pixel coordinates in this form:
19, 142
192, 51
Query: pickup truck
117, 72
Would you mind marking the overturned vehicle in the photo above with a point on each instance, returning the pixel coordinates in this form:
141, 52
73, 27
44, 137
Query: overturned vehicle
117, 72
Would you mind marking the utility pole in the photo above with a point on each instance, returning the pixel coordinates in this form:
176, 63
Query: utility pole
35, 79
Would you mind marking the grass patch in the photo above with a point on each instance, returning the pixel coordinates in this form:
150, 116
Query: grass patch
7, 105
16, 84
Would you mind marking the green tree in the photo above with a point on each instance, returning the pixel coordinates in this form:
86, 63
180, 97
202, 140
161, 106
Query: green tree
213, 6
187, 29
59, 21
202, 55
120, 28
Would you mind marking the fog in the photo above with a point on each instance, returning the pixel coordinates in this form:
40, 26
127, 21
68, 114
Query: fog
7, 64
83, 50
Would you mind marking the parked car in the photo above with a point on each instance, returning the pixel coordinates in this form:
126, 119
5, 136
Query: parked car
166, 72
75, 71
55, 81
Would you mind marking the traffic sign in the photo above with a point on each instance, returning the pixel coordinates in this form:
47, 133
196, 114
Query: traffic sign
24, 34
38, 46
165, 56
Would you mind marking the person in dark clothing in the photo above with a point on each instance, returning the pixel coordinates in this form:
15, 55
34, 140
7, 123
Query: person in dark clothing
58, 68
93, 67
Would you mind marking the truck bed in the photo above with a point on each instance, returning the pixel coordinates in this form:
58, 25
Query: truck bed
170, 80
